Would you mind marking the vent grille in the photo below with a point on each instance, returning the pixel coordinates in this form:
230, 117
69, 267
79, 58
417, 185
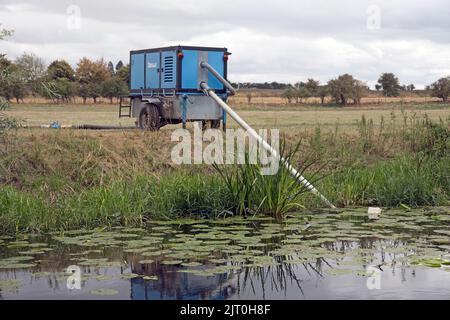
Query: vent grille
168, 69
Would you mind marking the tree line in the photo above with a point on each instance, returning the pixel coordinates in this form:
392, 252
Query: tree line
29, 76
346, 89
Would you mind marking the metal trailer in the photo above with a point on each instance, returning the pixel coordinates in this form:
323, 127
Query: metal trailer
165, 86
180, 84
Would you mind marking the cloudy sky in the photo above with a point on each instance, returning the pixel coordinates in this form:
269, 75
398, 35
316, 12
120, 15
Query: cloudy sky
271, 40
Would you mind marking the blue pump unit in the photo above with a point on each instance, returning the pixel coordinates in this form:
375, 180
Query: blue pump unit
165, 86
176, 69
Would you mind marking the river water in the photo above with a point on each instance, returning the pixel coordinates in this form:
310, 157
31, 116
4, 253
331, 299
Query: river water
326, 254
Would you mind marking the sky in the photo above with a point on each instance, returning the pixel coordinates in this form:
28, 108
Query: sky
276, 40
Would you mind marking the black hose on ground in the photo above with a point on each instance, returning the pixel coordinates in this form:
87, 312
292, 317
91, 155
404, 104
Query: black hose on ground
83, 127
98, 127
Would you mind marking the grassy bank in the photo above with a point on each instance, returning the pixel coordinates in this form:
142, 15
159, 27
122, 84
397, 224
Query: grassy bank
52, 180
132, 203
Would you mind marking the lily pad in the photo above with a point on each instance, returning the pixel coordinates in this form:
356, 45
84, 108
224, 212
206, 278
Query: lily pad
17, 265
149, 261
104, 292
191, 264
171, 262
127, 276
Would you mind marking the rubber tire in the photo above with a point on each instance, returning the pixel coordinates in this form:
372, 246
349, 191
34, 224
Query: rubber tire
215, 124
149, 118
204, 125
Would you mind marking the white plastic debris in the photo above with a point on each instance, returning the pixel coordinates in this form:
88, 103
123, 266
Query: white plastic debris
374, 213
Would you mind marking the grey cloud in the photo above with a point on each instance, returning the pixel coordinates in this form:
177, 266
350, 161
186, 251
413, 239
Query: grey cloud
273, 40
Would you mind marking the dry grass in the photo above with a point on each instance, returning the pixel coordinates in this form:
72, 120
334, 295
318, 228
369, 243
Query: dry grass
256, 115
273, 97
341, 117
70, 114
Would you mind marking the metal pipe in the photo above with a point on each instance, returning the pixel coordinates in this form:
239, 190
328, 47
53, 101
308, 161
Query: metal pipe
206, 65
81, 127
266, 146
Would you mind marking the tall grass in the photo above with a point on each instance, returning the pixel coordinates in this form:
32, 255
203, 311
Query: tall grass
405, 180
415, 169
189, 193
120, 203
274, 195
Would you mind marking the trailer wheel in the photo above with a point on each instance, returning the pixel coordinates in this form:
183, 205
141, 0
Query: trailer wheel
215, 124
204, 125
149, 118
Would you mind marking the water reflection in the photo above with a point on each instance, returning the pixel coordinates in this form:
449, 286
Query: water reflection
173, 285
267, 261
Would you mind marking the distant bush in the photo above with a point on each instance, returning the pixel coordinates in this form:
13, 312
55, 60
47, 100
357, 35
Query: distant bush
441, 89
345, 88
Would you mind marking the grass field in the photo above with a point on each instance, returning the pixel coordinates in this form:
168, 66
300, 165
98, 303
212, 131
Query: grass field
276, 116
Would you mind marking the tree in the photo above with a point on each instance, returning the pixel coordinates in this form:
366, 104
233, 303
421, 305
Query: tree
111, 68
288, 94
346, 87
297, 87
359, 91
89, 71
312, 87
60, 89
59, 85
119, 65
5, 122
17, 86
302, 93
83, 91
89, 90
249, 97
13, 87
12, 82
124, 74
390, 84
94, 90
378, 87
114, 88
32, 69
60, 69
5, 71
323, 92
441, 89
90, 76
341, 88
31, 66
411, 87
